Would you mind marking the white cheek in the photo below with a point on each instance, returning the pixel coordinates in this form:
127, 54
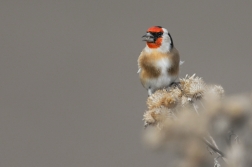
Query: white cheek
166, 43
165, 46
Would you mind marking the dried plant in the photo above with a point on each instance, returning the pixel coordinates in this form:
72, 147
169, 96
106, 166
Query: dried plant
200, 125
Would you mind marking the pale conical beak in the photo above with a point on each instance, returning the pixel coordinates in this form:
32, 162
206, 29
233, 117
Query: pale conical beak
148, 37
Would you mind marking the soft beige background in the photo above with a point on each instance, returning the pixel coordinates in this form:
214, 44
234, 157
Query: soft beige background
69, 92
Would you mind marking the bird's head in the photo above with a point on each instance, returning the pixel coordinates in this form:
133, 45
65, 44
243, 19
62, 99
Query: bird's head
158, 36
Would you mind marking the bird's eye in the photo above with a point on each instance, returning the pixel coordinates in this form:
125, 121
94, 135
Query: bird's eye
159, 34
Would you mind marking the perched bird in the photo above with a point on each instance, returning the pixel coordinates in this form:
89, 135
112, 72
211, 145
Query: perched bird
159, 61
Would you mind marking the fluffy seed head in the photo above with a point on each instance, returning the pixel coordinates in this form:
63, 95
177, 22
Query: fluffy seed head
162, 98
156, 116
193, 87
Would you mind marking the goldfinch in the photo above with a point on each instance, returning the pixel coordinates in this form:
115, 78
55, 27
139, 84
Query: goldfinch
159, 61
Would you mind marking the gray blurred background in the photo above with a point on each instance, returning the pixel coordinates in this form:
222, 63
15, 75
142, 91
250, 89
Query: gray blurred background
69, 90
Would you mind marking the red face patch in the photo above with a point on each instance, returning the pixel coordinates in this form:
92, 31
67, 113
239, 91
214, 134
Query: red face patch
155, 29
158, 42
